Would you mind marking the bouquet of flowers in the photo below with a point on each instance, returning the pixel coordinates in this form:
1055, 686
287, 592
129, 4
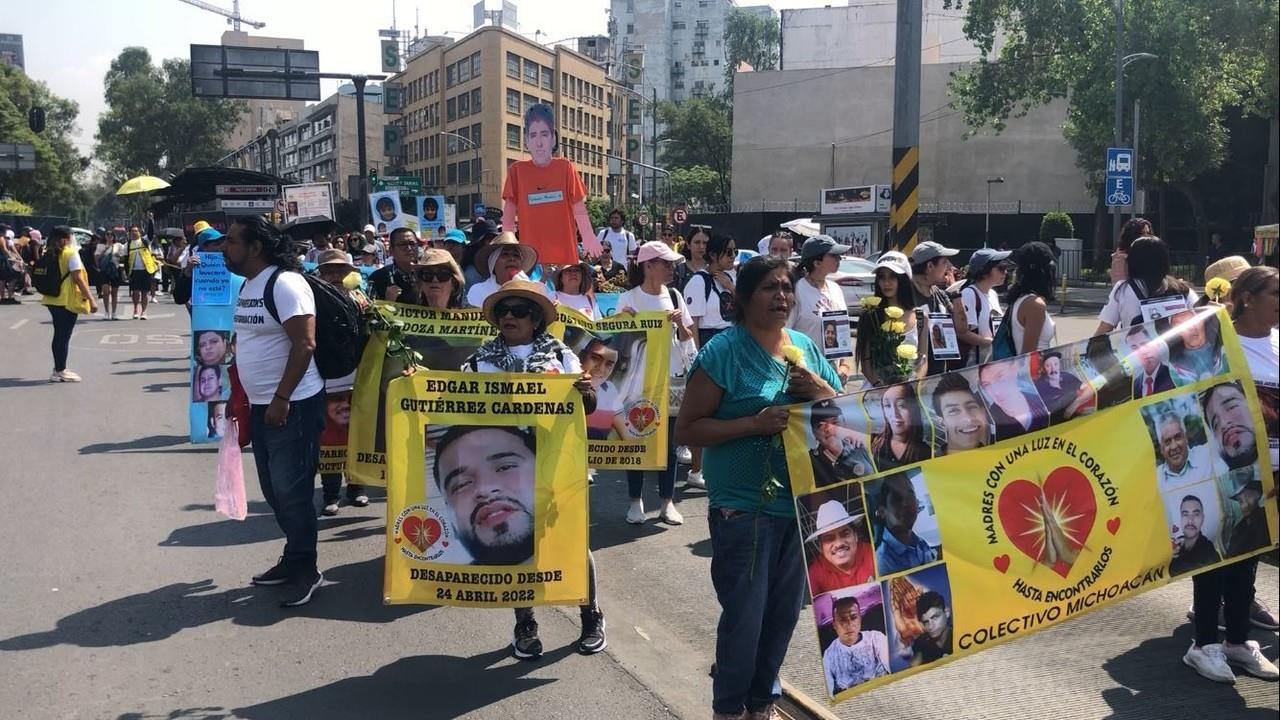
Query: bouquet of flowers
892, 358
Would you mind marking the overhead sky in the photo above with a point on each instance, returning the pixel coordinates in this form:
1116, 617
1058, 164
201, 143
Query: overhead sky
69, 44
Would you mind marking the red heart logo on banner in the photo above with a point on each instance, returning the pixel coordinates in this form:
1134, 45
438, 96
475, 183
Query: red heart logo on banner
1001, 562
641, 417
422, 532
1049, 523
1113, 525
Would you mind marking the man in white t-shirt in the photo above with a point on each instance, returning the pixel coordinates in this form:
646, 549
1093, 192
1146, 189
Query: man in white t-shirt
286, 393
622, 240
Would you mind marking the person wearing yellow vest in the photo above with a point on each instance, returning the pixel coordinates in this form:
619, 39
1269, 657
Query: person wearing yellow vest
142, 267
73, 299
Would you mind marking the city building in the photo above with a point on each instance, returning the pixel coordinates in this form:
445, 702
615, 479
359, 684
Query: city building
863, 33
11, 51
321, 145
782, 158
259, 114
464, 110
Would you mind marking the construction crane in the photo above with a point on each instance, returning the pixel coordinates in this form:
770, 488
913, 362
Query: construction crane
233, 16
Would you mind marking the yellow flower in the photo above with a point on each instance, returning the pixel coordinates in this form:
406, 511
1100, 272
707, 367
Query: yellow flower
899, 327
1217, 289
793, 355
887, 326
352, 280
907, 352
893, 312
870, 302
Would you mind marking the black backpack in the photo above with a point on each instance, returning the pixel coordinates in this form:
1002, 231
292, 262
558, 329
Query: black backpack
46, 275
341, 333
727, 301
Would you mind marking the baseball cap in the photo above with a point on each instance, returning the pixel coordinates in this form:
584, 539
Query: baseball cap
200, 227
820, 245
985, 256
930, 250
369, 250
207, 235
658, 250
35, 235
455, 236
483, 228
895, 261
369, 228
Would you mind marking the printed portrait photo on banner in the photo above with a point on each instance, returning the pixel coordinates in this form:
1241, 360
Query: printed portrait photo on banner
1194, 341
958, 411
920, 621
1105, 372
1146, 361
901, 434
212, 347
1012, 399
1195, 521
337, 419
217, 419
851, 633
483, 479
837, 539
838, 441
1059, 380
904, 524
207, 384
1233, 434
616, 364
1180, 438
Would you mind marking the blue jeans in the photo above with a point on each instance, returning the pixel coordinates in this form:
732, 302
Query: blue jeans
758, 611
287, 456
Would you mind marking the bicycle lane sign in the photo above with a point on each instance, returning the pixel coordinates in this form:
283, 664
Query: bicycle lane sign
1120, 166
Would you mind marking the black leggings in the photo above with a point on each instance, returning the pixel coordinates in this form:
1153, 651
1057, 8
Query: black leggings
1230, 586
64, 321
666, 478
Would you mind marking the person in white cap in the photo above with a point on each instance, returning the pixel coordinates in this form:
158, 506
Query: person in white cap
894, 289
842, 554
817, 293
987, 270
930, 269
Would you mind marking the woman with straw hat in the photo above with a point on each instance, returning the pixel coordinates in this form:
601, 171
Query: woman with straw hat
499, 262
440, 280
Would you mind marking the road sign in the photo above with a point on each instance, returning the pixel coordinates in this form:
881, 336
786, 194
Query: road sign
17, 156
228, 71
392, 97
679, 216
479, 210
390, 56
392, 141
1119, 191
410, 184
1120, 162
643, 218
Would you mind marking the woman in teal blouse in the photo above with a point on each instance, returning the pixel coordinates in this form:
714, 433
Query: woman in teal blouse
734, 406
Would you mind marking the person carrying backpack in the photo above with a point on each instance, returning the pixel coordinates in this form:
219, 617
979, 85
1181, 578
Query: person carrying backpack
59, 276
622, 240
987, 269
1148, 286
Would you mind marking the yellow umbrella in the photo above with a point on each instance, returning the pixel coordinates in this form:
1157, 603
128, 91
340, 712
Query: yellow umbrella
141, 184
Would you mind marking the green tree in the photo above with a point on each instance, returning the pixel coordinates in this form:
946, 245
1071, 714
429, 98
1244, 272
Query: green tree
749, 38
153, 123
697, 185
699, 132
1056, 225
598, 208
1212, 56
53, 187
9, 206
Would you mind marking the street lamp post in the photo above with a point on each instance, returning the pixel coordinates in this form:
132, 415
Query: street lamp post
986, 230
1122, 61
476, 147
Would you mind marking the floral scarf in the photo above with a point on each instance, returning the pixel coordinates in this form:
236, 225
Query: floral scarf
547, 351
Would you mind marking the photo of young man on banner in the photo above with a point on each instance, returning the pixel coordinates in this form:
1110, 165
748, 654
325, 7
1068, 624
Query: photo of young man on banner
1029, 511
477, 515
212, 352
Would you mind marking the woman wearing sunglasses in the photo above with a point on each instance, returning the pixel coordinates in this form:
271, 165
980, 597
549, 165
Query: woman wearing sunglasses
439, 279
521, 311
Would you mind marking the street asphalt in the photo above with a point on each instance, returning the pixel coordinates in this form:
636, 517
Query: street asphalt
126, 597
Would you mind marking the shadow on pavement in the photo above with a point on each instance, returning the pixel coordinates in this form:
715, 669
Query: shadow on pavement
702, 548
353, 533
153, 371
441, 686
199, 713
255, 507
20, 382
146, 443
136, 361
351, 592
253, 529
1154, 683
165, 387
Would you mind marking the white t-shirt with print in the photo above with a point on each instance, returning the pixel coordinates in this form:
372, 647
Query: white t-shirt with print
640, 301
1123, 305
704, 306
978, 309
567, 364
581, 303
262, 345
622, 243
811, 302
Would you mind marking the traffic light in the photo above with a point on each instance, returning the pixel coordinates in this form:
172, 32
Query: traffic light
35, 119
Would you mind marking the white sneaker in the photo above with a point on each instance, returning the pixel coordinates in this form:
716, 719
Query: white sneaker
683, 455
669, 514
694, 480
64, 376
635, 513
1210, 662
1250, 659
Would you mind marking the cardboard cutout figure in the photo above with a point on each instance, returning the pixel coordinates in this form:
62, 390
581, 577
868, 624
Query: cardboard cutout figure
545, 198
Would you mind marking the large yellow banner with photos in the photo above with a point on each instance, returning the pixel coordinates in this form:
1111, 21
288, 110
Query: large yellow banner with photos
487, 490
946, 516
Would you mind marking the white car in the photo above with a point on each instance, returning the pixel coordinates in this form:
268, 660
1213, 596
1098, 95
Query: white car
856, 277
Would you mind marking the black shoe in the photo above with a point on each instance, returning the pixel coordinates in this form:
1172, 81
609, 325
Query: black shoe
592, 639
330, 508
358, 499
527, 645
277, 575
301, 588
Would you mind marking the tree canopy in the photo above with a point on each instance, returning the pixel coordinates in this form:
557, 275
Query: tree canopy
53, 187
750, 38
698, 132
152, 122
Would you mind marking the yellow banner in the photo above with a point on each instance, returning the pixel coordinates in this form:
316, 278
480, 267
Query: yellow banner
944, 517
627, 356
487, 499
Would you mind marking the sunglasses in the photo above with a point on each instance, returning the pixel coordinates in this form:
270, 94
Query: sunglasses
442, 275
518, 311
666, 233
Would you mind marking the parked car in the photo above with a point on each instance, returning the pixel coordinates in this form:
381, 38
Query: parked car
856, 277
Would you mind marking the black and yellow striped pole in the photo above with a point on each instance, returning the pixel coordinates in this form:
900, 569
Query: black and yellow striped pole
904, 212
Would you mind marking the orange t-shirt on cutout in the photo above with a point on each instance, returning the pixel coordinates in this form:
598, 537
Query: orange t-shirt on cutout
544, 198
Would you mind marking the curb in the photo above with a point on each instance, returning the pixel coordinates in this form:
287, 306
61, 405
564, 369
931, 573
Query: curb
797, 705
